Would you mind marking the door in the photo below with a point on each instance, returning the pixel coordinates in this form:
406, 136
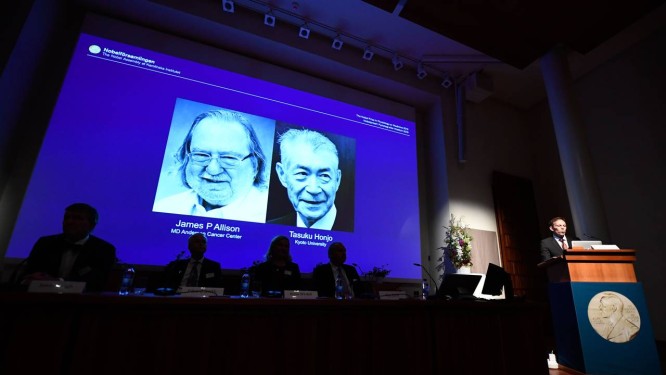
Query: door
518, 232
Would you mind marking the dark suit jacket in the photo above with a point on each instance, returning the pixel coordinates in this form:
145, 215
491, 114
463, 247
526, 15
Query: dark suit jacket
210, 273
343, 221
93, 264
550, 248
324, 280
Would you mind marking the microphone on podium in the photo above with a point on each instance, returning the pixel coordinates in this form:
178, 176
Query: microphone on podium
591, 237
430, 276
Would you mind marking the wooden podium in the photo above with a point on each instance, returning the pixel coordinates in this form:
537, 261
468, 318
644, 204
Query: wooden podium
615, 266
599, 313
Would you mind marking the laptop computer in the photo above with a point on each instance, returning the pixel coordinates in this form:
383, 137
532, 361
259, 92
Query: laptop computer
587, 245
497, 279
458, 286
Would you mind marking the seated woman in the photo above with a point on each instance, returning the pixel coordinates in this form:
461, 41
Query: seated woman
278, 273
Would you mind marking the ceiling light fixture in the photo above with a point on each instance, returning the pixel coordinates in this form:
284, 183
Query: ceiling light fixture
228, 6
368, 54
397, 62
420, 71
448, 81
269, 9
304, 31
269, 19
337, 43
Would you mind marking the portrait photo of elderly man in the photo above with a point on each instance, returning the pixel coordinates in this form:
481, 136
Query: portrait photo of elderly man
221, 170
317, 172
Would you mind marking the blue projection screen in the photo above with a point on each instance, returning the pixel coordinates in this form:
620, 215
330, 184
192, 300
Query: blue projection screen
122, 114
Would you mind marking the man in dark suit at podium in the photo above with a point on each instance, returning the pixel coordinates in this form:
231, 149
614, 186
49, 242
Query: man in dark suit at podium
196, 270
554, 245
75, 254
325, 275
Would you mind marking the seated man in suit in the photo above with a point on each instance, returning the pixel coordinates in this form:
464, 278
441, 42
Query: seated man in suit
554, 245
196, 270
75, 254
325, 275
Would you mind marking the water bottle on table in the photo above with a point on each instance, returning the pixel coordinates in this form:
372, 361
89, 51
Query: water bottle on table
339, 288
126, 281
425, 289
245, 285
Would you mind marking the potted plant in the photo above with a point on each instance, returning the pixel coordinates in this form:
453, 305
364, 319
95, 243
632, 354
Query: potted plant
377, 274
457, 246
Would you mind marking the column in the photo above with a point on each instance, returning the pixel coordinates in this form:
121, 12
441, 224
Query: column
589, 217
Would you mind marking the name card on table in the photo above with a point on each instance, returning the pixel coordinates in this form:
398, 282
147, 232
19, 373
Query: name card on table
300, 294
200, 291
59, 287
392, 294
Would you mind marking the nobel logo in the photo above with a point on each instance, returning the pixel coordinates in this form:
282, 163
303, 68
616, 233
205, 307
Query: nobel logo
614, 317
94, 49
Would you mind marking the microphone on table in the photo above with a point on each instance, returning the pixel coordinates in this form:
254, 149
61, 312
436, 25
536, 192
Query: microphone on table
365, 291
358, 268
430, 276
18, 272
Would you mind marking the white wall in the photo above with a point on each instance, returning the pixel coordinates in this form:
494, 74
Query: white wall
623, 106
497, 138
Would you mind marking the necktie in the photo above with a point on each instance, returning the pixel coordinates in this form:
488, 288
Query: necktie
564, 244
193, 280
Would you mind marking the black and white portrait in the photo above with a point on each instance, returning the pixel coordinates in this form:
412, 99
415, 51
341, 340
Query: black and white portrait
216, 164
313, 178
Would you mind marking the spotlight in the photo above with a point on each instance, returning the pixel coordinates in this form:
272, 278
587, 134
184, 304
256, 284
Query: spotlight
304, 32
368, 54
228, 6
447, 82
337, 43
420, 71
397, 63
269, 19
